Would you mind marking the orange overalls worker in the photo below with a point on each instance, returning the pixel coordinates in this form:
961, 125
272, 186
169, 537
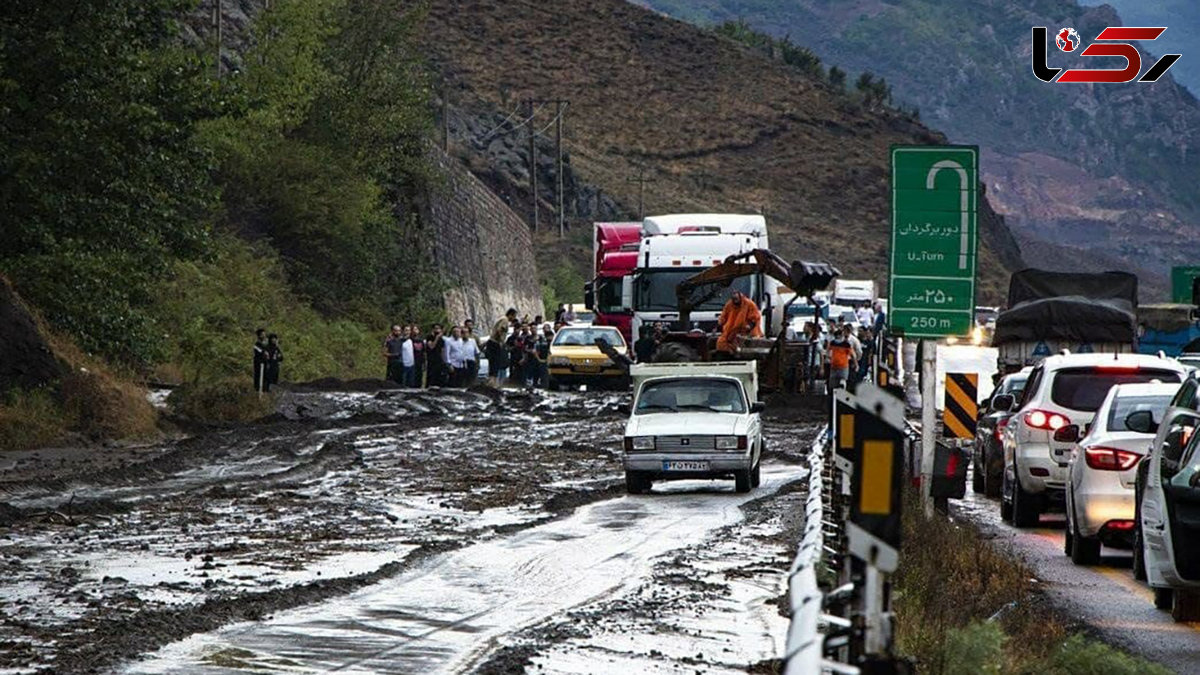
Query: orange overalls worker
739, 318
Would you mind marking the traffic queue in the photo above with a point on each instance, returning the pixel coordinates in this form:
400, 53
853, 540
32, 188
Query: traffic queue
1109, 440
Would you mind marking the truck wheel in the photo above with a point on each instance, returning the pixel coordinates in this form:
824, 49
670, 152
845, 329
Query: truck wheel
637, 483
1164, 598
742, 481
756, 474
675, 352
1186, 605
1025, 511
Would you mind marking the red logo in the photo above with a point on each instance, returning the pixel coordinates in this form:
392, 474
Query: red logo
1112, 41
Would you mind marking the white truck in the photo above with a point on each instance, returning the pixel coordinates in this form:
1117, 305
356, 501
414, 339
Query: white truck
693, 420
675, 247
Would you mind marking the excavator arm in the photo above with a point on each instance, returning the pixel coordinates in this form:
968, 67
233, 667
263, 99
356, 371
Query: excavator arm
805, 278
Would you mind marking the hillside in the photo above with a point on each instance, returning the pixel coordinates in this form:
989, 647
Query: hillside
1133, 195
716, 126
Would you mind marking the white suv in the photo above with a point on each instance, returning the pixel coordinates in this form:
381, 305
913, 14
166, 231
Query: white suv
1061, 391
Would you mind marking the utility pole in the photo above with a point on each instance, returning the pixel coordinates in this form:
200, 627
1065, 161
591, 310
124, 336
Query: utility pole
217, 24
558, 166
533, 181
641, 180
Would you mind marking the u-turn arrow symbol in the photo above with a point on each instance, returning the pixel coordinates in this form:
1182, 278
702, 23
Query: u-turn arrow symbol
963, 205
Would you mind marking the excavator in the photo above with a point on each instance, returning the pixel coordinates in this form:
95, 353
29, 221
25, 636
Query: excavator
777, 357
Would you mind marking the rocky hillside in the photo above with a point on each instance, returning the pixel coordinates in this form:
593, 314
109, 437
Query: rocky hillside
1121, 158
715, 126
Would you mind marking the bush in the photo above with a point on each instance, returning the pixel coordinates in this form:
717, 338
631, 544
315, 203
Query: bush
101, 406
227, 400
978, 648
30, 419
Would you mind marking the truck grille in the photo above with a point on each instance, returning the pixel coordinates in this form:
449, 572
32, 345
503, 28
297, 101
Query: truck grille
685, 443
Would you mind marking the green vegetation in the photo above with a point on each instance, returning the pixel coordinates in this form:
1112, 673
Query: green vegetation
965, 606
156, 215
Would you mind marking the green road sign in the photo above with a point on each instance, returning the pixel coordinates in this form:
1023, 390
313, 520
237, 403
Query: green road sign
935, 205
1182, 281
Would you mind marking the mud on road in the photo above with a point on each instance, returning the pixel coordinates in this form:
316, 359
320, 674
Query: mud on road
106, 556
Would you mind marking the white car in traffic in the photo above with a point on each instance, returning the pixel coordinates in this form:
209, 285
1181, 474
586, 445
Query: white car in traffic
1103, 468
1061, 391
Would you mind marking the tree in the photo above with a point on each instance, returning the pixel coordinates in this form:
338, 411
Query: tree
837, 78
102, 183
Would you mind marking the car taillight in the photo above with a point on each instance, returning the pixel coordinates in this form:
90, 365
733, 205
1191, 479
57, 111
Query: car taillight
1110, 459
1042, 419
1000, 424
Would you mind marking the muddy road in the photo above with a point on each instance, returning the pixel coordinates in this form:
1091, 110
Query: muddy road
391, 531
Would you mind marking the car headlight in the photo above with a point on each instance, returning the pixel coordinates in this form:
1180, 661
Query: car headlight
639, 443
559, 361
730, 443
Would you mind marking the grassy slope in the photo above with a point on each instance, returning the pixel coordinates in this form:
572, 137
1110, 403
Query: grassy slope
718, 127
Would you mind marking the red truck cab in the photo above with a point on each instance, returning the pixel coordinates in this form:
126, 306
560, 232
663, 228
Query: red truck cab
615, 249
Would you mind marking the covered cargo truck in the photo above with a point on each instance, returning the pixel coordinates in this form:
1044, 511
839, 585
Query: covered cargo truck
1049, 312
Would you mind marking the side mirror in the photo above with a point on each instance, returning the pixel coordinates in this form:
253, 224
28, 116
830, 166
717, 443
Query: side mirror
624, 409
589, 296
757, 407
1141, 421
1067, 434
1003, 403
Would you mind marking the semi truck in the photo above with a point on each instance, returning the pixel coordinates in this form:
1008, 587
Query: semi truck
676, 247
1049, 312
614, 257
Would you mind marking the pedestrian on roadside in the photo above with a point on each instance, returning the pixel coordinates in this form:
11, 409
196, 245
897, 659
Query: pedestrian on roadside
568, 315
868, 353
391, 353
435, 350
497, 353
866, 318
470, 357
542, 353
558, 314
408, 359
274, 357
880, 319
420, 357
841, 360
469, 335
260, 360
455, 364
645, 346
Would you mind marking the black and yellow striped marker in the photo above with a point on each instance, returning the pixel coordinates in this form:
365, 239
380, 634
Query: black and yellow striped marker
961, 405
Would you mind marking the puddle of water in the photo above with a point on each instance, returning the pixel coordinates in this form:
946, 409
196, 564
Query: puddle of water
445, 615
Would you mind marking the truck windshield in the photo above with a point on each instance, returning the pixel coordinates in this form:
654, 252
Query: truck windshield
654, 291
608, 296
689, 395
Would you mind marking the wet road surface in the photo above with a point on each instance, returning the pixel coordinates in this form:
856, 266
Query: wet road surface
398, 531
1105, 597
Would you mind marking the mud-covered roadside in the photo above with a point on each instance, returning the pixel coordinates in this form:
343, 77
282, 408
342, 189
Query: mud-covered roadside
111, 557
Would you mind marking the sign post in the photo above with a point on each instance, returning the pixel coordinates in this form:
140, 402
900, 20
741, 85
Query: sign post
935, 237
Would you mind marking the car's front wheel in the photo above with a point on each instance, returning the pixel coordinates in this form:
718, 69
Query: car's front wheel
637, 482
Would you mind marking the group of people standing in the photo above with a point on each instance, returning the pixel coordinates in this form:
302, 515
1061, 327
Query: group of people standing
439, 360
267, 357
516, 350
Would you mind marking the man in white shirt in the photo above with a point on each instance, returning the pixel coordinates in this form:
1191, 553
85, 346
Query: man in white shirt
866, 318
408, 363
470, 357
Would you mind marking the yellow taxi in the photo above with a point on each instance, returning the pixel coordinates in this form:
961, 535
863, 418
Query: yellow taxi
575, 359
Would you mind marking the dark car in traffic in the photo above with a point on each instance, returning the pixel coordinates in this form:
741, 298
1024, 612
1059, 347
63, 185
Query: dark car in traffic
988, 458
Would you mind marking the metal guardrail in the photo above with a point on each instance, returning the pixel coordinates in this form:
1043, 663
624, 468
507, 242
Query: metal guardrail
805, 651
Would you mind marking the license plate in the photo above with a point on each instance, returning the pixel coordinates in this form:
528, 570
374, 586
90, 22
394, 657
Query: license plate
685, 466
587, 369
